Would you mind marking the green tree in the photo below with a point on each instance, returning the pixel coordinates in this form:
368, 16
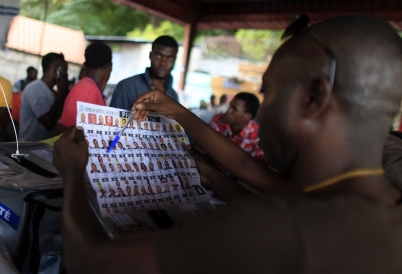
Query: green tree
258, 44
151, 32
93, 17
37, 9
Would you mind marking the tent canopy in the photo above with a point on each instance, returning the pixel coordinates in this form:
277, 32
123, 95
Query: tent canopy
266, 14
257, 14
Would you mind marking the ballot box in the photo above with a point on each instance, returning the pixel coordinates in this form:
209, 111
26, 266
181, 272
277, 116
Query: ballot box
30, 207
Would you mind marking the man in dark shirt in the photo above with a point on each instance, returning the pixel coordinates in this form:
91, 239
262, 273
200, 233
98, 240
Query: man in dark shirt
32, 75
330, 94
162, 57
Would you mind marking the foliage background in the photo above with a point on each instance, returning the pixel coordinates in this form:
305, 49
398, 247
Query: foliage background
106, 18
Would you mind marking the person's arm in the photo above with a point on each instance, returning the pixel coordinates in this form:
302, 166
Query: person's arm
86, 247
226, 187
225, 152
50, 118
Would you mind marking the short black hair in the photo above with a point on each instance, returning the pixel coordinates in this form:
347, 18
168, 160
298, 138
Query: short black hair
49, 59
251, 102
97, 55
31, 68
167, 41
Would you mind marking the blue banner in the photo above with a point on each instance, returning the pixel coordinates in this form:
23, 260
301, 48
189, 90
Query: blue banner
9, 216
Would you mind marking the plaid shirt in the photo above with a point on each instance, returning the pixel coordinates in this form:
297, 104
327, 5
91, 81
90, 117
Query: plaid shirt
247, 139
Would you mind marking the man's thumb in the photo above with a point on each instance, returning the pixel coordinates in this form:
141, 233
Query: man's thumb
144, 106
79, 135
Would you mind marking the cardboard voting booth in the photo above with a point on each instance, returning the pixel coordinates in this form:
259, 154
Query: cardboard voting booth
30, 206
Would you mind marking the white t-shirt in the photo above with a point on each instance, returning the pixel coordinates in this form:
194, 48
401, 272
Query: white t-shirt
36, 100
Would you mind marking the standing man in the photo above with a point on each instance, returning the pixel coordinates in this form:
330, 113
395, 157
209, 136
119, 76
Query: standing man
32, 75
163, 57
41, 106
98, 66
238, 125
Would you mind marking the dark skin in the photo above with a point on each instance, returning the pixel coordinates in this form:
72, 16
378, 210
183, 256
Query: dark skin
214, 144
84, 234
162, 62
310, 126
50, 118
317, 106
237, 116
227, 187
31, 76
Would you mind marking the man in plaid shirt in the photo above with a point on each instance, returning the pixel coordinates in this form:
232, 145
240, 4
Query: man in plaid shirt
238, 124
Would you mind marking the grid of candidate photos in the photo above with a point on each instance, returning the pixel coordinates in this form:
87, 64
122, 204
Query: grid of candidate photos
149, 168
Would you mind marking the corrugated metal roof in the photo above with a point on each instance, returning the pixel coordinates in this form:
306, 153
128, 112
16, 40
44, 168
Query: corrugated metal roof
37, 37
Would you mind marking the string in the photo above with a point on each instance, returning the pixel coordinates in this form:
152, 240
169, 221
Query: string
17, 152
344, 176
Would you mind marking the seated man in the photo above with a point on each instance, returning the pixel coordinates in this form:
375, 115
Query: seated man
330, 94
238, 125
41, 106
162, 57
98, 66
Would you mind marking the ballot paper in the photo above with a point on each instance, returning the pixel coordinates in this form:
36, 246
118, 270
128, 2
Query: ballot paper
148, 169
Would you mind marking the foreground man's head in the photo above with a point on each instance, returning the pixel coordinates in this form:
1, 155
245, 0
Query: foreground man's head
305, 120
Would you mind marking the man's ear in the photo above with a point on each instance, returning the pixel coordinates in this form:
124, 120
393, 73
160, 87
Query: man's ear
150, 55
316, 98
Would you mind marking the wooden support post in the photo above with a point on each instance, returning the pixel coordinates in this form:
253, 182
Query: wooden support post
189, 35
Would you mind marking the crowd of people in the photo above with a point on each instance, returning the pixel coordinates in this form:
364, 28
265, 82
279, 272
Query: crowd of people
316, 157
47, 106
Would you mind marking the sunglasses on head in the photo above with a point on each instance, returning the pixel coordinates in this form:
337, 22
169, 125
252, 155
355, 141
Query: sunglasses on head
298, 25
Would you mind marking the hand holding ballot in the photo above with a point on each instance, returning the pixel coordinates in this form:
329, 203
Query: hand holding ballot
71, 153
222, 150
157, 101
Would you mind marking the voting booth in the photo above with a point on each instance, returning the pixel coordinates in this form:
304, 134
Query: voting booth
30, 206
30, 211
